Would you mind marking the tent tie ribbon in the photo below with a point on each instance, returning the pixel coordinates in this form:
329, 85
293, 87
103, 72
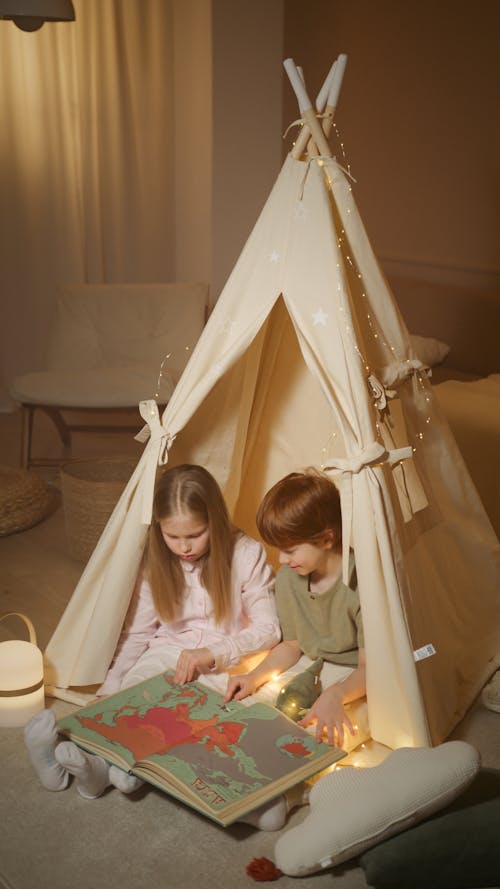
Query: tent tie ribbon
399, 371
300, 122
380, 393
342, 469
159, 444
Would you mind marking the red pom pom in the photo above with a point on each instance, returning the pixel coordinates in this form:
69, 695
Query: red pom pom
263, 869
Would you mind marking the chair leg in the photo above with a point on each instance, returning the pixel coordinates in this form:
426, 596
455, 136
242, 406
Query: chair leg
26, 434
27, 423
58, 421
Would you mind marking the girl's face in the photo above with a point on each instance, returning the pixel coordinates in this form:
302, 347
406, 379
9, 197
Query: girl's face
305, 558
187, 535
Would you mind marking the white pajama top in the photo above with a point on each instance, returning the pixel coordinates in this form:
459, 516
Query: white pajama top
252, 625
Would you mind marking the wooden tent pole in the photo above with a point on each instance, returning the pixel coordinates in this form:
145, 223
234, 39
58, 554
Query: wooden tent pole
304, 136
307, 111
333, 93
329, 93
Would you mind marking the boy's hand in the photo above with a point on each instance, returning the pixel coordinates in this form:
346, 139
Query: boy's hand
330, 717
240, 687
191, 662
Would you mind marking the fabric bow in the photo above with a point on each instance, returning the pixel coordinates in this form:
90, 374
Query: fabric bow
156, 454
342, 469
401, 370
379, 393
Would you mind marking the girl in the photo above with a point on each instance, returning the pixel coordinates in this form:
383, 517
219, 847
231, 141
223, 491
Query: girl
319, 615
202, 603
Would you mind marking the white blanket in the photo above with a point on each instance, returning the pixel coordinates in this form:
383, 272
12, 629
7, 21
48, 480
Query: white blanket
473, 412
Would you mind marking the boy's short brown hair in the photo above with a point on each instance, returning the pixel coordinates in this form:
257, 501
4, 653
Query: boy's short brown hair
300, 508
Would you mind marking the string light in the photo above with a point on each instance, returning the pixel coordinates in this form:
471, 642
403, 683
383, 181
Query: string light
161, 372
339, 140
372, 322
325, 451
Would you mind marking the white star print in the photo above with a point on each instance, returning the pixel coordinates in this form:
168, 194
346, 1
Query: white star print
274, 257
319, 317
300, 212
227, 326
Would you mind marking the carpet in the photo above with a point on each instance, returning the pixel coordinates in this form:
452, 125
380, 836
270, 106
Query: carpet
61, 841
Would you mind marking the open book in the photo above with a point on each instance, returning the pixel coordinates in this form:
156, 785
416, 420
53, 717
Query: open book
222, 759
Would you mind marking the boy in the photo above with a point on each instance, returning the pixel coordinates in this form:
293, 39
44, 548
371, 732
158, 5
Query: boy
319, 615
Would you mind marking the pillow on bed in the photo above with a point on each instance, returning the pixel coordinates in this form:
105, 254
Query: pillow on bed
429, 350
353, 809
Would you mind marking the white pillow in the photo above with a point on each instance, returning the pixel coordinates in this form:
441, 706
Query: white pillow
429, 350
354, 809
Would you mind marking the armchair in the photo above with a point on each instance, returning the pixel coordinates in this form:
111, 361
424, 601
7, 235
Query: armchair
106, 348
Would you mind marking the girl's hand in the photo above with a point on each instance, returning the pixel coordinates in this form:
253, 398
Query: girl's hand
191, 662
240, 687
330, 717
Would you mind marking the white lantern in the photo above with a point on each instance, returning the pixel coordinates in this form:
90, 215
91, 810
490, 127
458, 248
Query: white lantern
21, 677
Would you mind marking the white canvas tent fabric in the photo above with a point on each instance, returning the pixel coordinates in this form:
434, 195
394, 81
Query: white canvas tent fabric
305, 361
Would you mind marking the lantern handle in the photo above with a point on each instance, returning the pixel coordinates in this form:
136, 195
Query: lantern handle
31, 628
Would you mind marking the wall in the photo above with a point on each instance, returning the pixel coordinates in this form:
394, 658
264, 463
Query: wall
246, 120
228, 108
417, 119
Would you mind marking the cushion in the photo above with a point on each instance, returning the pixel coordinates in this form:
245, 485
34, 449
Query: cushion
117, 325
354, 809
429, 350
25, 499
455, 849
103, 388
491, 693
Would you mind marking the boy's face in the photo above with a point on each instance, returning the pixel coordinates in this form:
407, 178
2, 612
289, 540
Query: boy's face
304, 558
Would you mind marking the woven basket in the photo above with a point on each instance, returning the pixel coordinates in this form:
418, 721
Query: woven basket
91, 490
25, 499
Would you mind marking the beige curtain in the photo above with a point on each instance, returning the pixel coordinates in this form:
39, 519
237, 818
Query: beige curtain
86, 163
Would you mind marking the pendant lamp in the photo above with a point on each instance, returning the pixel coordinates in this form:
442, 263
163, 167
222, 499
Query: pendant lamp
29, 15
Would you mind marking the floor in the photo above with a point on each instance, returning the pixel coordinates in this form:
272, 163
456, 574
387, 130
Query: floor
39, 573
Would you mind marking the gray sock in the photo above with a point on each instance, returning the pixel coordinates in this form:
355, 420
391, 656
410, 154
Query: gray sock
271, 816
123, 781
41, 740
91, 772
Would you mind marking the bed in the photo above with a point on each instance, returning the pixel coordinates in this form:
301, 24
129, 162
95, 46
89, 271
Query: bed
458, 330
473, 412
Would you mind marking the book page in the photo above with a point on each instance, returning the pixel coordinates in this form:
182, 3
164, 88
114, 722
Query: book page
217, 754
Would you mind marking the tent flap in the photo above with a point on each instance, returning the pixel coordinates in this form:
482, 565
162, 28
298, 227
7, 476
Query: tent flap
279, 380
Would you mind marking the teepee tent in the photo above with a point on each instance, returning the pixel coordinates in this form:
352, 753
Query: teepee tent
304, 361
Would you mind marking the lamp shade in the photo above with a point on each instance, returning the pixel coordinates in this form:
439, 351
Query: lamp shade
29, 15
21, 677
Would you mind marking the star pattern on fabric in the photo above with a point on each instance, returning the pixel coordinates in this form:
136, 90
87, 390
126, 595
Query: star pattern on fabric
274, 257
227, 326
319, 317
300, 212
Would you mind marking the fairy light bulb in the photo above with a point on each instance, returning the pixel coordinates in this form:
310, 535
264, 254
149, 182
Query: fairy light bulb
161, 372
372, 322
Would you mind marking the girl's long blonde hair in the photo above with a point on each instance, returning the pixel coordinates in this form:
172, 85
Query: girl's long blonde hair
180, 489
